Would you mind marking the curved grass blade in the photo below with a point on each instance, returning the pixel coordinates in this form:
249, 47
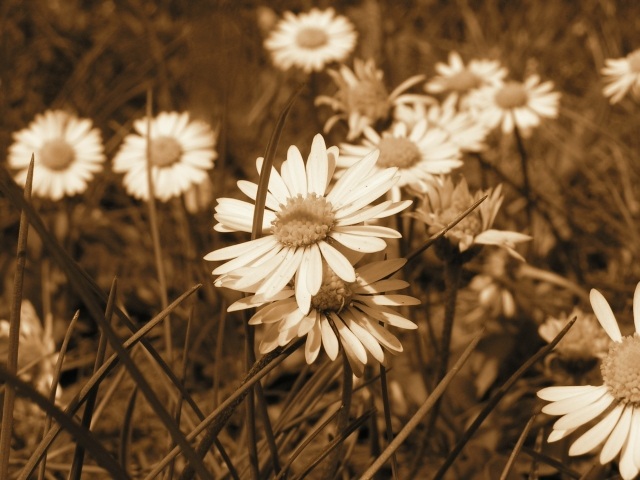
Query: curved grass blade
127, 428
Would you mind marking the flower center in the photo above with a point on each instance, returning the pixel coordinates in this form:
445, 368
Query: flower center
333, 295
311, 38
369, 99
620, 370
398, 152
303, 220
634, 61
165, 151
463, 81
469, 225
57, 154
512, 95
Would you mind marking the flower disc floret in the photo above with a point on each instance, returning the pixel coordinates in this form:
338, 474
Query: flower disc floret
463, 81
398, 152
333, 296
620, 370
303, 221
165, 151
311, 38
57, 154
512, 95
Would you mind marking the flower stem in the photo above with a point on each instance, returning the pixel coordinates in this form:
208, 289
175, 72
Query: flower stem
524, 165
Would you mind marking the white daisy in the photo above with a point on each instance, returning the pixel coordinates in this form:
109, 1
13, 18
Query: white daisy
346, 313
418, 153
614, 406
515, 103
181, 152
311, 40
67, 153
362, 98
622, 75
306, 221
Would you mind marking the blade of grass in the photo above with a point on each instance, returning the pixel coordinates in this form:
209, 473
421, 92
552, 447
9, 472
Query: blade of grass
127, 428
518, 447
386, 406
557, 464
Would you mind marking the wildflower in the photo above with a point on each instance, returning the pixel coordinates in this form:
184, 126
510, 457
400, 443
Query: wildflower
615, 404
342, 313
311, 40
520, 104
67, 153
418, 153
491, 287
181, 151
443, 202
362, 98
621, 76
306, 221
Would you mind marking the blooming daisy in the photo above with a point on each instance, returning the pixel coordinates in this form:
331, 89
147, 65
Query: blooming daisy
515, 103
346, 313
621, 76
458, 80
67, 153
443, 202
307, 222
615, 404
311, 40
418, 153
181, 152
362, 98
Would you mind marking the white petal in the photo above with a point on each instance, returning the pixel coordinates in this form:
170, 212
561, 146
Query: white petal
338, 262
359, 243
233, 251
617, 438
282, 275
318, 167
352, 176
329, 339
605, 315
303, 295
584, 415
348, 338
556, 435
628, 467
575, 403
293, 172
553, 394
369, 230
314, 341
596, 434
372, 272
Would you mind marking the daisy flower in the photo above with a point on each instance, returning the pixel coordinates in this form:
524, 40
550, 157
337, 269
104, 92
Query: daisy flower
418, 153
311, 40
622, 75
181, 152
67, 154
458, 80
521, 104
342, 313
362, 98
614, 405
443, 202
307, 222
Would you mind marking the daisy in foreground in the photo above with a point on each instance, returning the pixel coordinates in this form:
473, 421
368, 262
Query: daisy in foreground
68, 152
307, 222
615, 404
342, 313
622, 75
181, 152
311, 40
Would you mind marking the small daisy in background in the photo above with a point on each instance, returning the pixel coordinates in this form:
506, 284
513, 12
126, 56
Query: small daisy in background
362, 98
614, 405
621, 76
311, 40
492, 287
307, 222
418, 153
352, 314
515, 104
181, 153
68, 152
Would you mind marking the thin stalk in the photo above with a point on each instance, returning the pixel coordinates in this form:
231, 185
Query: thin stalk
518, 447
127, 429
250, 424
524, 165
386, 405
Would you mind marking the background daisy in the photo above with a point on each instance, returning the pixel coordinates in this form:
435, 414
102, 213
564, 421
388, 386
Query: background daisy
622, 75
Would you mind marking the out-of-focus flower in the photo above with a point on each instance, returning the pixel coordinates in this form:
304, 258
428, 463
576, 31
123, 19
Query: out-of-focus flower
306, 221
621, 76
443, 202
523, 104
459, 80
494, 297
67, 153
311, 40
418, 153
181, 152
199, 197
615, 404
341, 313
362, 98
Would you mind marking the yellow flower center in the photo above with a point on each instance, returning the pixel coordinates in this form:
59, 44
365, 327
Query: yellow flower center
512, 95
398, 152
634, 61
370, 99
334, 294
303, 220
57, 154
463, 81
165, 151
620, 370
311, 38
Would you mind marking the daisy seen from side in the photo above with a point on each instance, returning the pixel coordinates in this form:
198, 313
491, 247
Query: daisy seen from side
67, 152
621, 76
181, 152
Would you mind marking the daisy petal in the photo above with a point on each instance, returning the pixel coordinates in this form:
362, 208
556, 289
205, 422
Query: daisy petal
605, 315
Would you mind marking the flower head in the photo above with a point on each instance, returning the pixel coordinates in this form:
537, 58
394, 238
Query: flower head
614, 406
181, 151
622, 75
311, 40
67, 153
362, 98
307, 222
342, 313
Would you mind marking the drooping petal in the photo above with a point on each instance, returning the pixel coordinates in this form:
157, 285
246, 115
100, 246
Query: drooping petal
605, 315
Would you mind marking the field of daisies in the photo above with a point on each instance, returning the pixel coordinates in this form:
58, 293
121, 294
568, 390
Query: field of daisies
327, 240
